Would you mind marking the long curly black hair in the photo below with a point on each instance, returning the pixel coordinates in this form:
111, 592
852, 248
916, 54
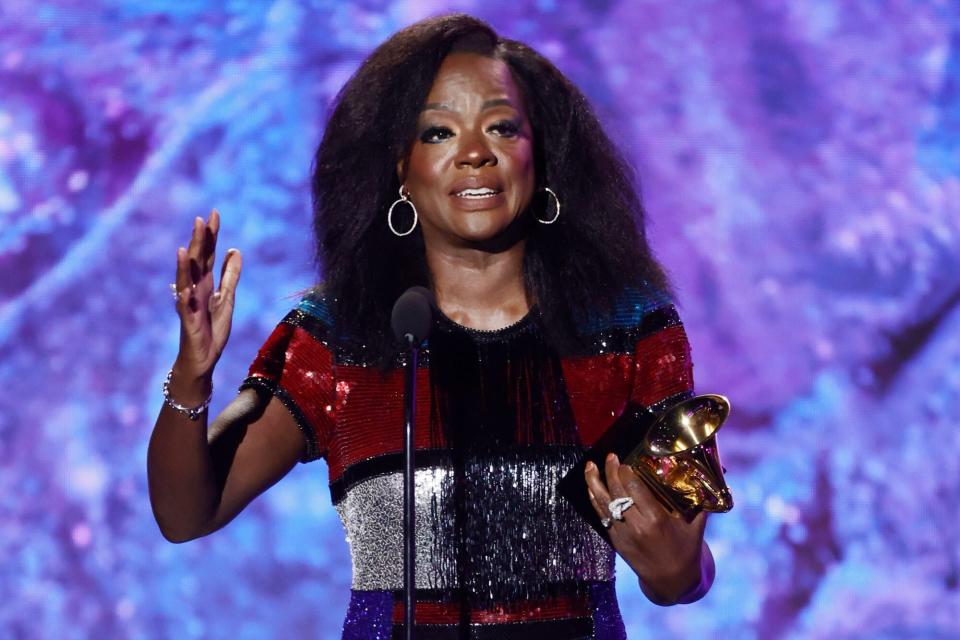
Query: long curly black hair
573, 269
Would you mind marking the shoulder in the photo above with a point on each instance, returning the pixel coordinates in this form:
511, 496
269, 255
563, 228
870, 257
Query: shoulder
313, 313
636, 311
316, 315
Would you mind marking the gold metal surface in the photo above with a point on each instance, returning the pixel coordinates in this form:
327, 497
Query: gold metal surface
678, 457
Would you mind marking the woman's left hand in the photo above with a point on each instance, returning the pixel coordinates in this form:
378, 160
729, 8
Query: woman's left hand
662, 549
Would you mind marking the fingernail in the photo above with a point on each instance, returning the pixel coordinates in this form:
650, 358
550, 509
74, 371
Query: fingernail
611, 457
592, 497
590, 465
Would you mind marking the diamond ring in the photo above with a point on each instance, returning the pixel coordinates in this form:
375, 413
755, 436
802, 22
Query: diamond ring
617, 506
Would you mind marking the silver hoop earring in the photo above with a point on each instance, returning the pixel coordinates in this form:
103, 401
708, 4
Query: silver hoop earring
556, 213
403, 199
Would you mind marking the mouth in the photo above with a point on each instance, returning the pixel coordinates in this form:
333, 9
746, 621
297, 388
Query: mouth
477, 194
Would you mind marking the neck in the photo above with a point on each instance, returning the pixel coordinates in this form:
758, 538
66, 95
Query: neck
480, 289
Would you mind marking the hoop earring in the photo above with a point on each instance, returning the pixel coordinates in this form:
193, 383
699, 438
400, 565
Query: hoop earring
556, 214
403, 199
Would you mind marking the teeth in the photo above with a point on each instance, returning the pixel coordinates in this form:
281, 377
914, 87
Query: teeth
477, 193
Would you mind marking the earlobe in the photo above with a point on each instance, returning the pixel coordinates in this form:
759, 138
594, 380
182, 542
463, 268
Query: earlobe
401, 170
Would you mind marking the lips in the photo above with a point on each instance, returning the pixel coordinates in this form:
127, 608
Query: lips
476, 188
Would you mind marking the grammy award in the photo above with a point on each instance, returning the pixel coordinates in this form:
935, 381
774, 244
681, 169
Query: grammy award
674, 452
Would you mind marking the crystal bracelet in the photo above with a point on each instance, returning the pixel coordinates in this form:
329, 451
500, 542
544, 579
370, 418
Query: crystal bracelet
191, 412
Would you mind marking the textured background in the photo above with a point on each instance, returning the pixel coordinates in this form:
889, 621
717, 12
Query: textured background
801, 165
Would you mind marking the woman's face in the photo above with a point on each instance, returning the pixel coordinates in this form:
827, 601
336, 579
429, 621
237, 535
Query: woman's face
470, 170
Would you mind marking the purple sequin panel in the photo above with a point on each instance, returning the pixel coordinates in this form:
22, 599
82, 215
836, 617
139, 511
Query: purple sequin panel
607, 623
369, 616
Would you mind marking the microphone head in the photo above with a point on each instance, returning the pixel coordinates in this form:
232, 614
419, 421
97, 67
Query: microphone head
412, 316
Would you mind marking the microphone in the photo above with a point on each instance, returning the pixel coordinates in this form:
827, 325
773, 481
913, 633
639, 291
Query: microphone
412, 316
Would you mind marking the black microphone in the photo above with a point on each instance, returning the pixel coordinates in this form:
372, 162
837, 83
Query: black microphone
412, 316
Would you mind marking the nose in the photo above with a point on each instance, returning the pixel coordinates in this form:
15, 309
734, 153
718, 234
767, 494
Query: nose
474, 152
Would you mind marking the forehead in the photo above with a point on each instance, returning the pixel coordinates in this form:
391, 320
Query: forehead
466, 77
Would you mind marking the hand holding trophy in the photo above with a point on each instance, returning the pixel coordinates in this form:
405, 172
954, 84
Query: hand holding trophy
674, 452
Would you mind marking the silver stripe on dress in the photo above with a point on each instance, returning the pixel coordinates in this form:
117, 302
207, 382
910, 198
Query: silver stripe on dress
372, 515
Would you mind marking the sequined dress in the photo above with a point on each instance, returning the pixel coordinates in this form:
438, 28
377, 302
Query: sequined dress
501, 416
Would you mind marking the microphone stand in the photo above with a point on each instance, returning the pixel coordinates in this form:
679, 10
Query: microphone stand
411, 319
409, 499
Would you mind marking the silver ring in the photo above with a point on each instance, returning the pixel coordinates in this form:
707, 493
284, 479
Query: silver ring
606, 522
617, 506
173, 290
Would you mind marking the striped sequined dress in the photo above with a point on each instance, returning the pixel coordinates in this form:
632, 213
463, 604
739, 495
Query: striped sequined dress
500, 418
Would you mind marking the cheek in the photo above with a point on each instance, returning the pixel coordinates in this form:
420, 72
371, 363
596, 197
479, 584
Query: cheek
523, 163
424, 167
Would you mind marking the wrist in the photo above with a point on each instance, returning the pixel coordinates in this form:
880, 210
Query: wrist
188, 396
188, 386
683, 587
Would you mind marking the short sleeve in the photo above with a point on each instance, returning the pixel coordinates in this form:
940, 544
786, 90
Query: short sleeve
636, 354
663, 368
296, 366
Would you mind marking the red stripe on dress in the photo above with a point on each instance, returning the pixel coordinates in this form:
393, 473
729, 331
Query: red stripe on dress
663, 367
370, 401
598, 388
558, 608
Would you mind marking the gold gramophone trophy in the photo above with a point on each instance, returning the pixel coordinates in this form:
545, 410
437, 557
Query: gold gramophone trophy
674, 452
678, 458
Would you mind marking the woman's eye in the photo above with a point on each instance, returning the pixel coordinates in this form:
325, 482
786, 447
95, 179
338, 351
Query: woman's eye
435, 134
506, 128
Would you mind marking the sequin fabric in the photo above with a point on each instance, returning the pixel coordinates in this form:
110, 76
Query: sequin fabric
501, 416
368, 616
607, 623
372, 512
563, 549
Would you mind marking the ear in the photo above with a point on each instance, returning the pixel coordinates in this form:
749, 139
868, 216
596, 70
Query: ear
402, 170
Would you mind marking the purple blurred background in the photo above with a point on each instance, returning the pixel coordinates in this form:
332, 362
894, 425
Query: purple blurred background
801, 166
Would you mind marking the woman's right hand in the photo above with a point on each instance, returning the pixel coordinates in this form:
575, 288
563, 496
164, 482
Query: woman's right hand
205, 313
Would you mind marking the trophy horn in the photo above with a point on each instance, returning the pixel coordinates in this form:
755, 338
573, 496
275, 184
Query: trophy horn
679, 460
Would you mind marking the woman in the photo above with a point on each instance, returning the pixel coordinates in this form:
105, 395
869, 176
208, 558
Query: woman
516, 210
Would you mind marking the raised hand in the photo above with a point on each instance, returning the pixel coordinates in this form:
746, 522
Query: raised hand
205, 313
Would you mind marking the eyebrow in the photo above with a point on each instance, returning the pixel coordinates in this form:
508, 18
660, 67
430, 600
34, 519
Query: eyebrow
487, 104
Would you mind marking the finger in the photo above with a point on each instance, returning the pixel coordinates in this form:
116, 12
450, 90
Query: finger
699, 522
210, 241
186, 301
229, 277
194, 249
599, 495
646, 504
635, 487
222, 302
615, 483
230, 273
612, 474
183, 270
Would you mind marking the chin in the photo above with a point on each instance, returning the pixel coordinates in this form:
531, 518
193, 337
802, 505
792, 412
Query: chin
494, 237
481, 227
